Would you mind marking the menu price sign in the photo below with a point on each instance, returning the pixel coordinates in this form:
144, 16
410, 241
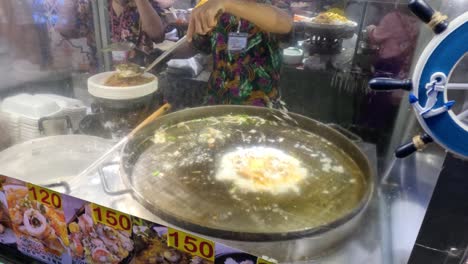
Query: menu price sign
191, 244
111, 218
45, 196
73, 222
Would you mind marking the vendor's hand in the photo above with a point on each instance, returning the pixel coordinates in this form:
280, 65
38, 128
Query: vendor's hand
205, 18
370, 28
164, 4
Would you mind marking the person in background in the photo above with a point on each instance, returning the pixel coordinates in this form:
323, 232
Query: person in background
4, 27
396, 36
165, 4
19, 32
242, 37
135, 21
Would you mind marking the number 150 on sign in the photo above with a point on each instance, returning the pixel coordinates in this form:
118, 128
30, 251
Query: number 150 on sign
191, 244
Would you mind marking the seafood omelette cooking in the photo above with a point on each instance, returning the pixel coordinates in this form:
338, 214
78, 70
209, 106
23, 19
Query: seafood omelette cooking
250, 174
116, 81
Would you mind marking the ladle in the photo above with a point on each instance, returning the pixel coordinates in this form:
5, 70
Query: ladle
130, 70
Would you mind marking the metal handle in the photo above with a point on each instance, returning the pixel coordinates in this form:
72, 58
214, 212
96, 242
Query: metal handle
43, 119
417, 143
59, 184
387, 84
166, 53
105, 185
435, 20
119, 46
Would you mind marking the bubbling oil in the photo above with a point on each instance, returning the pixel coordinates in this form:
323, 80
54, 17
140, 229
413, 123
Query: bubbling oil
178, 175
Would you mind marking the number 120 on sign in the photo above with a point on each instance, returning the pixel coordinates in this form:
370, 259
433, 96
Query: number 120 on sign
45, 196
191, 244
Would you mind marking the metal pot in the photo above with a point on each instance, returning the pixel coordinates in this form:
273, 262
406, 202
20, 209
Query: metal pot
116, 118
164, 197
51, 160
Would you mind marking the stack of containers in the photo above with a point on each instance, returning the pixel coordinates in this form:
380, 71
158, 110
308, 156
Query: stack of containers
12, 125
22, 113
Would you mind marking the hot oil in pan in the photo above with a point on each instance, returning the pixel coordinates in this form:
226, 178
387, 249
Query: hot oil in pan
178, 175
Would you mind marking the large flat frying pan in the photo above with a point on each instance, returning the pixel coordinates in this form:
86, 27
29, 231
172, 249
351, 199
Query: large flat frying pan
175, 165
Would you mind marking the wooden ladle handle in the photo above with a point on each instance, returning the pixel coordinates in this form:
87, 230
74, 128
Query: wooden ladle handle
161, 111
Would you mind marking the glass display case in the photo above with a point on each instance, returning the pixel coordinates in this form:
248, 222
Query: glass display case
158, 152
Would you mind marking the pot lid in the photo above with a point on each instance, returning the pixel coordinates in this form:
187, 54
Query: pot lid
51, 159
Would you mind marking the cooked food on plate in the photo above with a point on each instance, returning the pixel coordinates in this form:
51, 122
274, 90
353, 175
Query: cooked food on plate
98, 243
128, 69
40, 223
331, 17
116, 81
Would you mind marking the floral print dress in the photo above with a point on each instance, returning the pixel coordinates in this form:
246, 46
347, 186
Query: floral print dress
250, 77
127, 26
124, 27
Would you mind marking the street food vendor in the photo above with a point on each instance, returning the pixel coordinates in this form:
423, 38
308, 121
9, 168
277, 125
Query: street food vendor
396, 37
242, 36
135, 21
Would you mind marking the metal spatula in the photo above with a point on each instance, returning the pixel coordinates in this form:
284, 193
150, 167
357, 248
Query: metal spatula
129, 70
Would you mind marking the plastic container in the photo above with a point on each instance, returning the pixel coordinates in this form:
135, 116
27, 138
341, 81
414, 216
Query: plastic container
292, 56
30, 106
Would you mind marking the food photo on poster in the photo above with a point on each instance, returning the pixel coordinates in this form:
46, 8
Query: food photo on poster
228, 255
151, 246
56, 228
38, 221
7, 236
92, 241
